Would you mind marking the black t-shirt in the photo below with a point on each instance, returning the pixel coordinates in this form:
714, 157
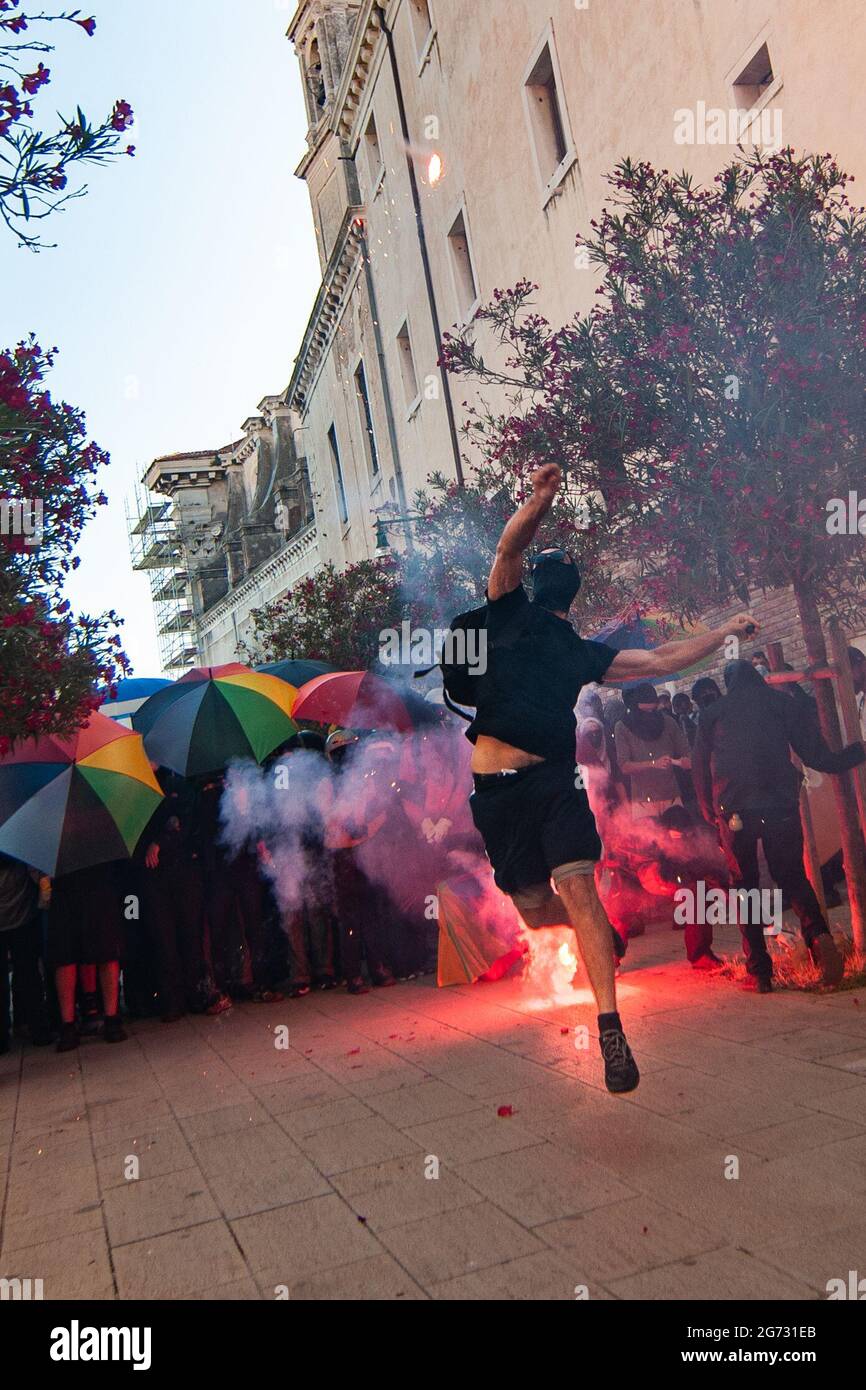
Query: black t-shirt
528, 694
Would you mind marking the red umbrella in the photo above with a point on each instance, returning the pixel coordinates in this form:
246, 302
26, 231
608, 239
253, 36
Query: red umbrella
354, 700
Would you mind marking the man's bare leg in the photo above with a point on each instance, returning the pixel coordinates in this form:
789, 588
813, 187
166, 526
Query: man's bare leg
594, 942
593, 932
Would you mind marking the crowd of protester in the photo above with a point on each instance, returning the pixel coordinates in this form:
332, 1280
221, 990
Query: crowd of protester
683, 791
191, 925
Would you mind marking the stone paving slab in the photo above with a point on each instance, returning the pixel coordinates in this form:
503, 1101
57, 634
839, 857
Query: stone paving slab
417, 1143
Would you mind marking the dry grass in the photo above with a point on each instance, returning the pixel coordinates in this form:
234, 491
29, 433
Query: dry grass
791, 971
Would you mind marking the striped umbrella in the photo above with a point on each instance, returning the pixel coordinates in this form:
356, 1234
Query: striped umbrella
68, 803
130, 695
214, 714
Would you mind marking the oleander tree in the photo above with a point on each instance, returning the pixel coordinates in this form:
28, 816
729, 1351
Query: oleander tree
51, 662
713, 399
41, 165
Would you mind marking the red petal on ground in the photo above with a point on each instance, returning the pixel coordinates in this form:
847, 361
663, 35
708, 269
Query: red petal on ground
505, 1110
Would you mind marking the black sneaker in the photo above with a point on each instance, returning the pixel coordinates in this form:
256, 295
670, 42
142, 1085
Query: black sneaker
68, 1040
620, 1068
113, 1030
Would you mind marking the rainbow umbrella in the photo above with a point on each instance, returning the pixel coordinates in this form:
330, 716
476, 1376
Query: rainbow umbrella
68, 803
213, 714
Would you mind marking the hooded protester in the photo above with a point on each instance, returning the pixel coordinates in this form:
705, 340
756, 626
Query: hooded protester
650, 747
528, 806
748, 786
705, 692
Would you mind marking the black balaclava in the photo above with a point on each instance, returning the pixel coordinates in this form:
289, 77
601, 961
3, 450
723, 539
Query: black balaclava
555, 580
646, 724
742, 675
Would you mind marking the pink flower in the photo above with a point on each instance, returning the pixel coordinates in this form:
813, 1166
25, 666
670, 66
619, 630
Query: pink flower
121, 116
88, 25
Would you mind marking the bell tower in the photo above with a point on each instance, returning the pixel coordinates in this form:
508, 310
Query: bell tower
321, 32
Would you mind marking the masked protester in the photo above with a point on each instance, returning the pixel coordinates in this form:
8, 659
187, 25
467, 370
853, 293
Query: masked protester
650, 748
748, 786
534, 818
705, 692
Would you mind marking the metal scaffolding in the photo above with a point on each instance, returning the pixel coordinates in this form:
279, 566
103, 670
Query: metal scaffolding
156, 547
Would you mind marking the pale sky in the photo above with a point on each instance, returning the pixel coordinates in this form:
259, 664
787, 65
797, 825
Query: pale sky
182, 282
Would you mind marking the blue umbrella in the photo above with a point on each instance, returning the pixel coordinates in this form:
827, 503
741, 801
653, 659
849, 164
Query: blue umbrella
130, 696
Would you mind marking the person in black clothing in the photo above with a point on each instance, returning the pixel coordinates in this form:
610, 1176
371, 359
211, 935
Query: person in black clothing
363, 908
19, 953
85, 928
705, 692
685, 714
748, 786
235, 906
535, 821
173, 903
308, 927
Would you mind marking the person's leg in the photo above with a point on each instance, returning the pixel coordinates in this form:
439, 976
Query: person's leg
164, 907
5, 997
741, 852
783, 847
576, 888
65, 977
27, 980
109, 979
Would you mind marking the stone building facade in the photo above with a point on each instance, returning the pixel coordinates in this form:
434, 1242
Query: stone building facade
458, 146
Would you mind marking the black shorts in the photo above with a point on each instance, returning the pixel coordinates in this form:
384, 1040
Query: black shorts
532, 822
85, 918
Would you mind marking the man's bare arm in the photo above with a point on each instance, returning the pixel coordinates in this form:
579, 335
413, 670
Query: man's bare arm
520, 532
671, 657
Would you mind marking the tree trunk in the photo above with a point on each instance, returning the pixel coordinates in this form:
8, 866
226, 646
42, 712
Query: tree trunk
846, 803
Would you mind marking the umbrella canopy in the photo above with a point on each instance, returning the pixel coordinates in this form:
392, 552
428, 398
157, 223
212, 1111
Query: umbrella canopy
296, 673
129, 696
360, 700
213, 714
68, 803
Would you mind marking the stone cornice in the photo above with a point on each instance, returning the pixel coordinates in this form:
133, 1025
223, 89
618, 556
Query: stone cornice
328, 308
294, 550
358, 69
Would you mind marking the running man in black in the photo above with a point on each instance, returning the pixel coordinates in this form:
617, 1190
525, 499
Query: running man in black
535, 821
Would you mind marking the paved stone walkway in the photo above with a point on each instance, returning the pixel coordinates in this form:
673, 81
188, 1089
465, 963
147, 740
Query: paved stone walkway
305, 1171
